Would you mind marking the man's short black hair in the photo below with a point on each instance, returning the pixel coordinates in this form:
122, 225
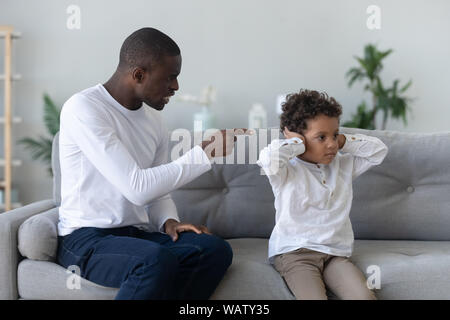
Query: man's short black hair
144, 46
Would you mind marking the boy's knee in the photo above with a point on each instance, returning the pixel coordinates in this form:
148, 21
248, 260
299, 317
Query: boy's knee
365, 295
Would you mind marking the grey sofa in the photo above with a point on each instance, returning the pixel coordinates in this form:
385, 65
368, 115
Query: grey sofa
400, 216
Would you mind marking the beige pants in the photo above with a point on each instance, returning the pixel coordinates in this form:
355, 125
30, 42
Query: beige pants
307, 272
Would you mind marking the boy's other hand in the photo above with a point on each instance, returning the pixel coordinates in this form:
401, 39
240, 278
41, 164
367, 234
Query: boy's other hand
290, 134
341, 140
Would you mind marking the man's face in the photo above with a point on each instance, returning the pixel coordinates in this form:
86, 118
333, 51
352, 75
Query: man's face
321, 139
160, 82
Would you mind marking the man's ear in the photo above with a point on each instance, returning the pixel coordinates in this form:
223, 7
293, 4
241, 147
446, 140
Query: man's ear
138, 75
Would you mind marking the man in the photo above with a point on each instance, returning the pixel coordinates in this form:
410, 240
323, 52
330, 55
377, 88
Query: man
117, 222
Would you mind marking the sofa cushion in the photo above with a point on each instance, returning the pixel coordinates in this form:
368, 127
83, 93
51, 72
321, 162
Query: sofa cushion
404, 198
405, 269
43, 280
408, 270
250, 276
38, 237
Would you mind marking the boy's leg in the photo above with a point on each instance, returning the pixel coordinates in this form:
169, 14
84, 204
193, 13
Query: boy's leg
202, 261
346, 281
302, 271
116, 258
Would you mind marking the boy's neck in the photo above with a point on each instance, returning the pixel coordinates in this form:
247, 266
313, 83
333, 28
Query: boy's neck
300, 157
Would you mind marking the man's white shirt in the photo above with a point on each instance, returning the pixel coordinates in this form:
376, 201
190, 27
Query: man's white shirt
114, 165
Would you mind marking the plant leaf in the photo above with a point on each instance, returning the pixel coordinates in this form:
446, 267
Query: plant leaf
354, 74
406, 86
384, 54
51, 115
362, 119
40, 149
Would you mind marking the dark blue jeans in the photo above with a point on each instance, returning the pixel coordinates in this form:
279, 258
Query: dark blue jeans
147, 265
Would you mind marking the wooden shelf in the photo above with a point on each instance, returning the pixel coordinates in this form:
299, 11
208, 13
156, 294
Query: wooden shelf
14, 120
14, 35
7, 34
14, 205
14, 77
15, 163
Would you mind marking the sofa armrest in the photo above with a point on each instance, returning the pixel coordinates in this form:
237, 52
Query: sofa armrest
10, 222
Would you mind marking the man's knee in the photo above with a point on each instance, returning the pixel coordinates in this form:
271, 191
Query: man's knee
160, 260
219, 250
151, 275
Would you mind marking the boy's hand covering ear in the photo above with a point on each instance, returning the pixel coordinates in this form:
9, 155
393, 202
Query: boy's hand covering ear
341, 140
290, 134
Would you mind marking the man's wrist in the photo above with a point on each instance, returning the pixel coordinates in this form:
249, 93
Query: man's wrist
168, 222
204, 145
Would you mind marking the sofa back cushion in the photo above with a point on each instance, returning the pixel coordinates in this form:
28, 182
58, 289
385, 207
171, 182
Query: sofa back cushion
406, 197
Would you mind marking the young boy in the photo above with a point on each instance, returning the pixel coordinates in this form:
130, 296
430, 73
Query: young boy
311, 173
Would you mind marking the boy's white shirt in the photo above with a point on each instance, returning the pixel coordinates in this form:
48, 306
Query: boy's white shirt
114, 165
313, 201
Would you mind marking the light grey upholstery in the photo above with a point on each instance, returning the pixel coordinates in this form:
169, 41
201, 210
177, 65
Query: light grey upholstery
408, 270
10, 223
38, 237
39, 280
400, 215
406, 197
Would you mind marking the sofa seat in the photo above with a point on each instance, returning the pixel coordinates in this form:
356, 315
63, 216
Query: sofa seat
408, 270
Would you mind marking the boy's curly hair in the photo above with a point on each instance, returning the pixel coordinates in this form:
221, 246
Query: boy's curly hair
304, 105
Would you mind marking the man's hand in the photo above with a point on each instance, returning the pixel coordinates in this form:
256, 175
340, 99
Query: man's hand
341, 140
173, 227
290, 134
221, 143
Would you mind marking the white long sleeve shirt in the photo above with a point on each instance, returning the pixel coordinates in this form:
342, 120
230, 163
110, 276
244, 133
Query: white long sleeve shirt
313, 201
114, 165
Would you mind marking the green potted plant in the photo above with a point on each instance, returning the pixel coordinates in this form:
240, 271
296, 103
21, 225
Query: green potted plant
388, 100
41, 148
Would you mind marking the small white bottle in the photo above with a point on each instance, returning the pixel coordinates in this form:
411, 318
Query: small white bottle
257, 117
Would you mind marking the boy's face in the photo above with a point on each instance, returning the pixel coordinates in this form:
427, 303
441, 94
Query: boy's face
321, 137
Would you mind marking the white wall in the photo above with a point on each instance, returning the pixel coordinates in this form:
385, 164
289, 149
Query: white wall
249, 50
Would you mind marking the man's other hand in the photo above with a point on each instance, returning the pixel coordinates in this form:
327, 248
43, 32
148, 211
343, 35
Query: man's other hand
173, 227
221, 142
